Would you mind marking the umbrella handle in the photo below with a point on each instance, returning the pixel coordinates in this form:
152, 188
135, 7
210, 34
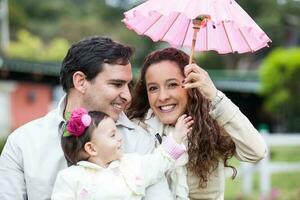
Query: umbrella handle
197, 23
196, 30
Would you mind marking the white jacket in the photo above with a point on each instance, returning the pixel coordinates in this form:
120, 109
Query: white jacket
32, 157
126, 178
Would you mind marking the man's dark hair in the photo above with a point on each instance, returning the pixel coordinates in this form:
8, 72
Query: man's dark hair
88, 56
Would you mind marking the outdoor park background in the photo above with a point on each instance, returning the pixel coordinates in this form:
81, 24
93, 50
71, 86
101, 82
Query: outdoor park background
35, 36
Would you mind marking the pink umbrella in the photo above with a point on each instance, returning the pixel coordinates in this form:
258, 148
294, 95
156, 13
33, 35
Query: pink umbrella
223, 25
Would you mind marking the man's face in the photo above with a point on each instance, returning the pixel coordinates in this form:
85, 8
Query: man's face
109, 91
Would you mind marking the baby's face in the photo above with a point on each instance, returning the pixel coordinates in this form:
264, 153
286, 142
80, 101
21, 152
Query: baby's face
107, 140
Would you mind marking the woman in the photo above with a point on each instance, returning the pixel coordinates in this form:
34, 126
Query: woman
169, 87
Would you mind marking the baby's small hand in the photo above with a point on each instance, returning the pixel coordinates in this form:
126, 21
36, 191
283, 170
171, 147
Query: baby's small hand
182, 128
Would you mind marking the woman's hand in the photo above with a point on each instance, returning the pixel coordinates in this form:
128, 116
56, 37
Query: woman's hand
196, 77
182, 127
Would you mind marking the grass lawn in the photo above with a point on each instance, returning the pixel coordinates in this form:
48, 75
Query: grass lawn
285, 185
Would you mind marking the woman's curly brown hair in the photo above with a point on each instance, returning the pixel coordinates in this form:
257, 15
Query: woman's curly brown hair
208, 142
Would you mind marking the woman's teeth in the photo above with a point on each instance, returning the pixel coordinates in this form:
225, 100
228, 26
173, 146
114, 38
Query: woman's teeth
167, 108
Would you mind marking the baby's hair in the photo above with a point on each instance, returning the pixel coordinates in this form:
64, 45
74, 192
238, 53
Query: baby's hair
73, 146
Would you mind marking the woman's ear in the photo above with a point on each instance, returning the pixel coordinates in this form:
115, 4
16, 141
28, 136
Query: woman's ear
79, 81
90, 149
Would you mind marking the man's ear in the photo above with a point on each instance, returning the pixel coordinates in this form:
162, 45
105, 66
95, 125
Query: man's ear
90, 149
79, 81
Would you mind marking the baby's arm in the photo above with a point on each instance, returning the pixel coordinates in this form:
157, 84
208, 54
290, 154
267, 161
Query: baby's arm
182, 128
178, 176
163, 158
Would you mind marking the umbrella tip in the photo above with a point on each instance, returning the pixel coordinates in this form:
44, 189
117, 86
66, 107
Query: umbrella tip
201, 20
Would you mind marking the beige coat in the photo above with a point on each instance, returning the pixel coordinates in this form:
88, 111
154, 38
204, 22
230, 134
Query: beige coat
250, 146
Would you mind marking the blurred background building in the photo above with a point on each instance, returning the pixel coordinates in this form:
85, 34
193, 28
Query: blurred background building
35, 36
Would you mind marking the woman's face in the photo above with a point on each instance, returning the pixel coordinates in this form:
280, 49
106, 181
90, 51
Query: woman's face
166, 97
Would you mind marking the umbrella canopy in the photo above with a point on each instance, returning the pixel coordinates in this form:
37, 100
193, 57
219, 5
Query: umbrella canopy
227, 28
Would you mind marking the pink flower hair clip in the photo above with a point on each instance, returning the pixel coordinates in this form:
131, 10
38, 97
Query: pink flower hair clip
78, 122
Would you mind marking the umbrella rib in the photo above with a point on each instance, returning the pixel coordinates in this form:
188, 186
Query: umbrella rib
170, 26
152, 24
245, 39
227, 35
186, 33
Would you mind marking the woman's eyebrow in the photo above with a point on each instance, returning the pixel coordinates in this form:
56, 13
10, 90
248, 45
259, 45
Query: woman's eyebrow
151, 83
172, 79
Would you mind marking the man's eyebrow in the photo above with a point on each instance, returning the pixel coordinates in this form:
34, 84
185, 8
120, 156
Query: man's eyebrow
117, 80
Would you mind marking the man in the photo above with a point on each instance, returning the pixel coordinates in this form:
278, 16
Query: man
95, 74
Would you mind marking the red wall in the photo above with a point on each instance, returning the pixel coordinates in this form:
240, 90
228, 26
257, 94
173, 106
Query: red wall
29, 101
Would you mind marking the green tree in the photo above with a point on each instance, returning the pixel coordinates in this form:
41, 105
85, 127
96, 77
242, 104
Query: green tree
32, 47
279, 75
75, 19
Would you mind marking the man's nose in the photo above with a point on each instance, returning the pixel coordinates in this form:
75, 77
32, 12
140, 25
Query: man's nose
125, 94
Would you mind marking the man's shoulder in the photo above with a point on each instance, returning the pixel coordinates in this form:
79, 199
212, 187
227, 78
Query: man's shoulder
38, 125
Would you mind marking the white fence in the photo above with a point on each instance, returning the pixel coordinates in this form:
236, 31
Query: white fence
266, 167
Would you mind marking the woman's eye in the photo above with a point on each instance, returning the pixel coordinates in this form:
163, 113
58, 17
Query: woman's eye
172, 85
151, 89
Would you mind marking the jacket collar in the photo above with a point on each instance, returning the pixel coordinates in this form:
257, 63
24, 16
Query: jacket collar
153, 123
61, 107
87, 164
124, 121
59, 114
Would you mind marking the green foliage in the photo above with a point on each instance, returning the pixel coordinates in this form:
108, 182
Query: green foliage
210, 60
2, 143
32, 47
285, 154
73, 20
279, 75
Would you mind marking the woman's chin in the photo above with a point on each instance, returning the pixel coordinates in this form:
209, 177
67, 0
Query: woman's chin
171, 120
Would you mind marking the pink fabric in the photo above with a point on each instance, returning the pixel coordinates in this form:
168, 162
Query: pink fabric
174, 149
230, 29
